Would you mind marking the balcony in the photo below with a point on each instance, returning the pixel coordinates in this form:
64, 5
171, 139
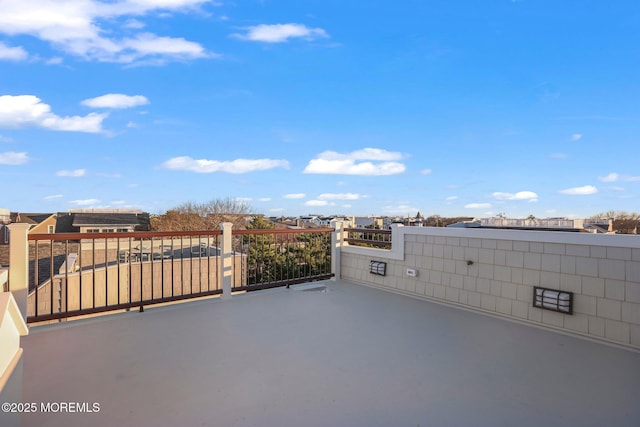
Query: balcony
366, 349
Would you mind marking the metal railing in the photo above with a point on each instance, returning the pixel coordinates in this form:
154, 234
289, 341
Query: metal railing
368, 237
283, 257
80, 274
115, 271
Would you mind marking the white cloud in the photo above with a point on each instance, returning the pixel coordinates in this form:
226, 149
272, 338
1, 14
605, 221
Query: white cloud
134, 24
92, 29
13, 158
341, 196
5, 139
426, 172
580, 191
161, 48
451, 198
295, 196
360, 162
279, 33
72, 173
85, 202
477, 205
233, 166
8, 53
576, 137
54, 61
520, 195
264, 199
558, 155
316, 203
116, 100
29, 110
53, 197
614, 177
109, 175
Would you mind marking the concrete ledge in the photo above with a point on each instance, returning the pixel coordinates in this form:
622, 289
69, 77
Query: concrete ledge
12, 327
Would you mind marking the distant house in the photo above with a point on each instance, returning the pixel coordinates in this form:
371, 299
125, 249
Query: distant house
111, 221
367, 222
5, 218
106, 221
39, 223
540, 224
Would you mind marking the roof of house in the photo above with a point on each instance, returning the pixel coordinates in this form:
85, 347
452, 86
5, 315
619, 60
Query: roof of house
89, 219
29, 218
71, 222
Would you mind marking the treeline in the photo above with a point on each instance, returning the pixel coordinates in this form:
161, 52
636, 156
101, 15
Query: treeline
192, 216
202, 216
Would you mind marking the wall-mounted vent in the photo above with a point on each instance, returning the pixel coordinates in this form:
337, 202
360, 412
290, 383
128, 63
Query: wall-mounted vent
378, 267
554, 300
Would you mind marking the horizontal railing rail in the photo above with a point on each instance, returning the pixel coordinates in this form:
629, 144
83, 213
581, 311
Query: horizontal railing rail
369, 237
282, 257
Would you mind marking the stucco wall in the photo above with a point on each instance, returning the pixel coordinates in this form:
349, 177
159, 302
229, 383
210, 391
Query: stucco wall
603, 272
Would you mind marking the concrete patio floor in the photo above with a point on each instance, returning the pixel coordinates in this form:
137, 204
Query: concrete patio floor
348, 355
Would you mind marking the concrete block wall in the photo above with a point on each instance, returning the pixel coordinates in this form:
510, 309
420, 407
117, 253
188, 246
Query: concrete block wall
494, 271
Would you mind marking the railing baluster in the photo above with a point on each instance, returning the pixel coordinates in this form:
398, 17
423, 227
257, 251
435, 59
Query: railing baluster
93, 262
130, 273
141, 275
51, 274
35, 280
80, 271
117, 268
106, 272
191, 264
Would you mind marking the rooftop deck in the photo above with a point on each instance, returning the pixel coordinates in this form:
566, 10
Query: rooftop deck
346, 355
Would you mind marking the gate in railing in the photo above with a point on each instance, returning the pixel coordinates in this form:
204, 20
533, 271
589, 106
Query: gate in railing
80, 274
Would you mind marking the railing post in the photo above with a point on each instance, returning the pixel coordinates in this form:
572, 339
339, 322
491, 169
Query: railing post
397, 240
227, 259
337, 240
19, 265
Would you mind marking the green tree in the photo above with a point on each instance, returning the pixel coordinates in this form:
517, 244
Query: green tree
313, 253
275, 257
264, 261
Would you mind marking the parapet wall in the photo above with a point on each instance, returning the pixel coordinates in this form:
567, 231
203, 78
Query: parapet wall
495, 271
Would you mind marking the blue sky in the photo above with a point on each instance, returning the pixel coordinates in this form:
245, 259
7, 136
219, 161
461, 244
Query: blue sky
467, 108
